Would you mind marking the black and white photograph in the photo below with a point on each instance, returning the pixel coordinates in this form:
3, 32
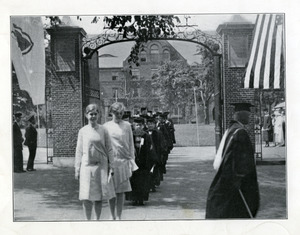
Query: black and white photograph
178, 117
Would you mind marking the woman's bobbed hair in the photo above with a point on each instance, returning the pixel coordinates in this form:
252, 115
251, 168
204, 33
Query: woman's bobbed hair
116, 107
91, 107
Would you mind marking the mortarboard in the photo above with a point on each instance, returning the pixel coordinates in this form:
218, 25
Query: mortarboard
138, 120
127, 114
242, 106
18, 114
151, 119
165, 114
30, 118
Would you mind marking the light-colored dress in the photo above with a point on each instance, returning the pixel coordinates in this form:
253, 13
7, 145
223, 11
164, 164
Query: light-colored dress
278, 130
93, 156
123, 152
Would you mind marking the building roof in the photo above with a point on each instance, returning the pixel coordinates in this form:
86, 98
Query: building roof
113, 55
237, 19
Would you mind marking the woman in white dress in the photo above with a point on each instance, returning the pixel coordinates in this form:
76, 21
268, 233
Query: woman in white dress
278, 129
123, 151
94, 164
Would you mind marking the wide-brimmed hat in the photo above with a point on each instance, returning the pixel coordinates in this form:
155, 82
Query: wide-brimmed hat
18, 114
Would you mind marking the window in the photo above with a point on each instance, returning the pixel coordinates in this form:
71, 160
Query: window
143, 56
135, 74
166, 55
115, 76
154, 53
238, 51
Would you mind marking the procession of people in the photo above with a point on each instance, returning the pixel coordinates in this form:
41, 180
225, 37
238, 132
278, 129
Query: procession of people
126, 159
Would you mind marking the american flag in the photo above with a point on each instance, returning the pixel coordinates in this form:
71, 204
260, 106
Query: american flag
266, 65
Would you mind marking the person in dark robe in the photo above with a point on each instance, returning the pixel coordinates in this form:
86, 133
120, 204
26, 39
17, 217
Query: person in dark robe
234, 191
18, 144
140, 179
31, 142
170, 126
158, 150
161, 125
267, 129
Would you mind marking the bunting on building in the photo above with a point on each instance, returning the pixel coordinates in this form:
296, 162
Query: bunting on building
266, 65
28, 55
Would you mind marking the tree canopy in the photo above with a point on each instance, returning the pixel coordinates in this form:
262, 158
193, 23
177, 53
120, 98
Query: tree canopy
142, 27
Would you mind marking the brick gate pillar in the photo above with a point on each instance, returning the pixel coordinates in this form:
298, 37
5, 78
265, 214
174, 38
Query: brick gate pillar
67, 91
236, 39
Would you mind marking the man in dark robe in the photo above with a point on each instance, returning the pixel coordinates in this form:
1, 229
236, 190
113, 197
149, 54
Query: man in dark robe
234, 191
267, 129
161, 125
18, 144
170, 126
158, 150
140, 180
31, 142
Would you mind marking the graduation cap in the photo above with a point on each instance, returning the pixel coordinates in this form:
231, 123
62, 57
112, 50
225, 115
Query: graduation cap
31, 118
138, 120
165, 114
144, 116
18, 114
151, 119
127, 114
242, 106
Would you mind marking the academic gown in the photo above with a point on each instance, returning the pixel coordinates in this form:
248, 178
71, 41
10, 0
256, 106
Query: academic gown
140, 180
160, 149
236, 172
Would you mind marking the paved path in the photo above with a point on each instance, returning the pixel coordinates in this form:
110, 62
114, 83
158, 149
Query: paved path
51, 193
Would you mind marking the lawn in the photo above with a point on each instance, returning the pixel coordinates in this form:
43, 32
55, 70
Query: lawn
186, 135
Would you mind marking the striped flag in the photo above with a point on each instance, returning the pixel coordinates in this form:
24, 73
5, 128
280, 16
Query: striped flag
266, 65
28, 55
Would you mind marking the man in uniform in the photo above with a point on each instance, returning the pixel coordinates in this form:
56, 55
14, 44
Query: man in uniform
234, 191
18, 144
31, 142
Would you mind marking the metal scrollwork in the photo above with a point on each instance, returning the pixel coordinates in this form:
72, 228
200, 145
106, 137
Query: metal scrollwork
185, 33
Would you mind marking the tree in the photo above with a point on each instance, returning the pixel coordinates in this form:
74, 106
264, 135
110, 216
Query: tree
206, 78
176, 81
142, 28
174, 86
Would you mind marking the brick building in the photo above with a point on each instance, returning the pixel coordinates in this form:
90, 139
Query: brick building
128, 83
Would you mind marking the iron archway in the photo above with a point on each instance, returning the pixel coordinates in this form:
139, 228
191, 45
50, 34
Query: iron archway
186, 33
